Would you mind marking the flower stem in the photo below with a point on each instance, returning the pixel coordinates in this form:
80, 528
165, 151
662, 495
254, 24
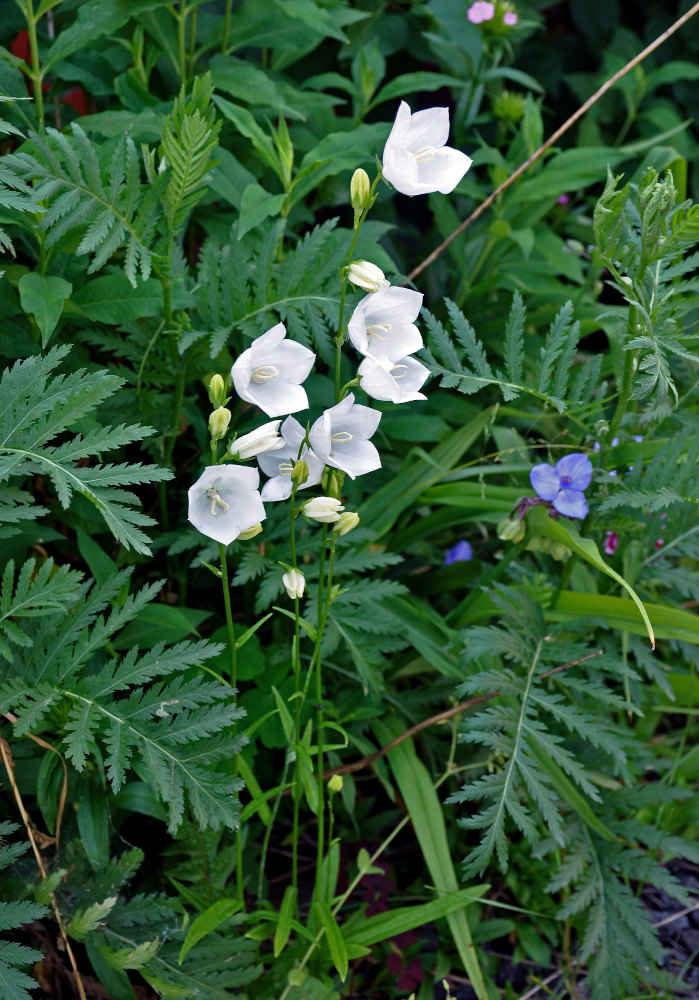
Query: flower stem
36, 68
298, 700
630, 365
339, 339
320, 722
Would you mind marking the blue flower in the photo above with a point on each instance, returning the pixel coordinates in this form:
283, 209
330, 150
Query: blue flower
461, 552
563, 484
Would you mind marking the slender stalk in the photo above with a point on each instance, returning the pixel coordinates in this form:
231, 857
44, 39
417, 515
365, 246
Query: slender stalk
320, 721
630, 365
229, 616
296, 663
192, 42
226, 25
182, 41
36, 74
339, 339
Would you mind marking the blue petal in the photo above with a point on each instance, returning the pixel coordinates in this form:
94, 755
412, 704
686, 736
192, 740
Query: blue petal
577, 468
545, 481
461, 552
572, 503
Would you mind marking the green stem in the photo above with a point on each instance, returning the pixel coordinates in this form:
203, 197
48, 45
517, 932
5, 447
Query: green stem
229, 615
182, 41
36, 68
320, 722
339, 339
192, 42
296, 662
630, 364
268, 830
226, 25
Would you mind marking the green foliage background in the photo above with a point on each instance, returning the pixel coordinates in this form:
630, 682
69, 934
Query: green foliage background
179, 184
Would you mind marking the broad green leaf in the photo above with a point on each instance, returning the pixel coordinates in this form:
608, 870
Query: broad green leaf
160, 623
286, 915
425, 809
44, 298
95, 19
207, 922
245, 122
333, 935
409, 83
382, 509
256, 206
98, 562
541, 523
372, 930
112, 299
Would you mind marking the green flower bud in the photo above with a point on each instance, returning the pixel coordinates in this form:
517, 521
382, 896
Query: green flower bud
335, 783
511, 529
297, 977
218, 423
346, 522
217, 391
559, 551
299, 473
360, 185
256, 529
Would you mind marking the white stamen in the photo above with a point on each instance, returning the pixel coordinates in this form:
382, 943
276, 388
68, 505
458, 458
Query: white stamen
399, 371
342, 437
264, 373
216, 502
372, 331
425, 154
285, 468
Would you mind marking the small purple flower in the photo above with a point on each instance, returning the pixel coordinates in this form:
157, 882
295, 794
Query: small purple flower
563, 484
611, 540
461, 552
481, 11
509, 18
562, 199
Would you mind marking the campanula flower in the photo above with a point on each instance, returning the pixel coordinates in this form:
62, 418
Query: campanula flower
461, 552
294, 583
415, 157
280, 464
270, 372
324, 509
340, 437
397, 381
382, 326
225, 501
563, 484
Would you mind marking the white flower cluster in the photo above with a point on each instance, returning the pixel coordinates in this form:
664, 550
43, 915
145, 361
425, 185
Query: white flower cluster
225, 503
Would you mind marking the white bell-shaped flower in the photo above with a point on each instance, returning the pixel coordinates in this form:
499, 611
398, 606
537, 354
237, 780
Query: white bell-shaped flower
364, 274
394, 381
280, 465
269, 373
382, 326
340, 437
415, 157
225, 501
323, 509
294, 583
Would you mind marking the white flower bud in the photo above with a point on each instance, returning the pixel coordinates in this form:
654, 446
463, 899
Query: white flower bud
218, 423
346, 522
294, 583
257, 442
326, 509
250, 532
366, 275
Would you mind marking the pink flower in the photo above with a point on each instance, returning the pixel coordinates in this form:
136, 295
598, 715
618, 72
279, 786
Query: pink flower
481, 11
659, 544
509, 18
611, 540
562, 199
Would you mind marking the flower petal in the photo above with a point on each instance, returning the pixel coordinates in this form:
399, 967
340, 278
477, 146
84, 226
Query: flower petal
545, 480
577, 468
443, 172
572, 503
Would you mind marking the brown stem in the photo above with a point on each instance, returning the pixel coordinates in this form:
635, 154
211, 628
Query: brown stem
9, 767
11, 717
359, 765
552, 139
